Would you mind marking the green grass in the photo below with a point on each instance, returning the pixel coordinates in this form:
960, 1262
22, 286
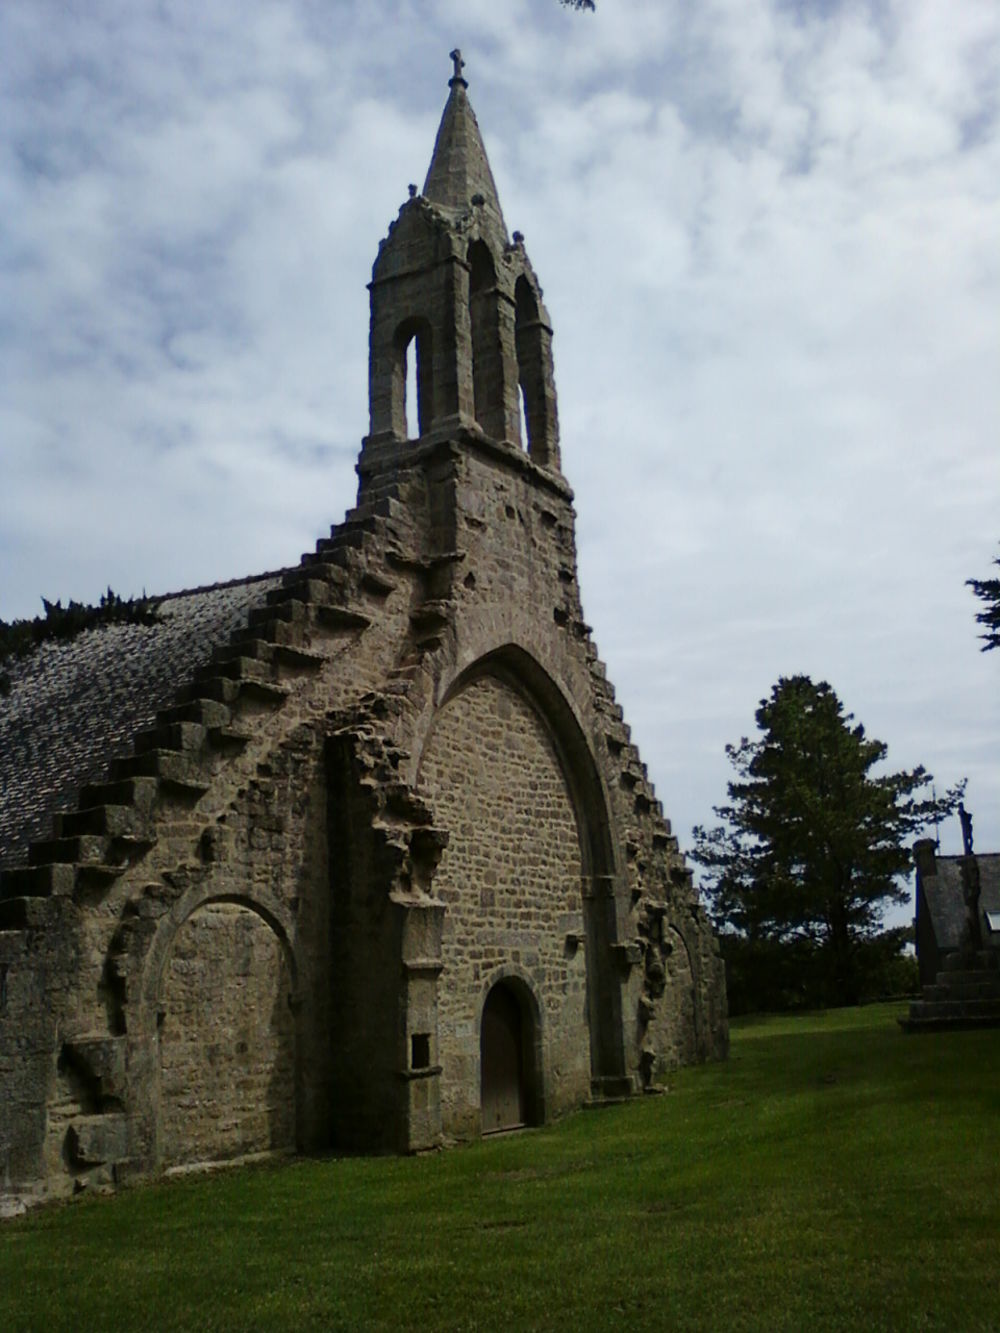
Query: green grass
835, 1174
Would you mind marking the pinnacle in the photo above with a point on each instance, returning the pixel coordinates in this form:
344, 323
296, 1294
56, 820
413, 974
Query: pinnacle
459, 174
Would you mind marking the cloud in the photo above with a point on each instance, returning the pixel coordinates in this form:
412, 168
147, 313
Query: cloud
767, 236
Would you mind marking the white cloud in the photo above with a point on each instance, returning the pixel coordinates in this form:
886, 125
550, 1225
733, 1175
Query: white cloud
767, 234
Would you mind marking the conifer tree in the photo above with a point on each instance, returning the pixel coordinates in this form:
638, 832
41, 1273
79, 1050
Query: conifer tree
814, 843
988, 591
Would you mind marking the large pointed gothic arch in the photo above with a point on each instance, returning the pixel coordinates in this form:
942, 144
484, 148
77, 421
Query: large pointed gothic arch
508, 669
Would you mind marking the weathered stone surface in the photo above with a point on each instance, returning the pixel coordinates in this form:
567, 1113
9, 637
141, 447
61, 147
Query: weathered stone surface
363, 797
97, 1139
512, 881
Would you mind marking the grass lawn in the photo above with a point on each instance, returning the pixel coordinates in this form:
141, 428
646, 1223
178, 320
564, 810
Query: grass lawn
835, 1174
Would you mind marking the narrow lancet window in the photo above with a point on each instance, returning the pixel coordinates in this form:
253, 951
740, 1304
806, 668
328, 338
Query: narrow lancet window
534, 369
412, 407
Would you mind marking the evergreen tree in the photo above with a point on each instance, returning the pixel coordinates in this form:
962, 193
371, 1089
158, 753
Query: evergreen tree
813, 845
988, 591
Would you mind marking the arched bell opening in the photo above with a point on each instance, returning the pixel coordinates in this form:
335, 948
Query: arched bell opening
509, 1059
412, 379
532, 339
487, 356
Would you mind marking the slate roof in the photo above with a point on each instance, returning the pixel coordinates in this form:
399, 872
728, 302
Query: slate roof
76, 704
945, 903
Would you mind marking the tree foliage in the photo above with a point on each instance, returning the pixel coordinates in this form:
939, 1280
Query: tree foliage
988, 591
578, 4
20, 637
813, 845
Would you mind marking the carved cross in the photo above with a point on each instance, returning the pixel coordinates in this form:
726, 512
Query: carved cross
459, 63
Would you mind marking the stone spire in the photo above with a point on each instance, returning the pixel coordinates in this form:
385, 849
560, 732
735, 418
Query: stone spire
459, 176
459, 307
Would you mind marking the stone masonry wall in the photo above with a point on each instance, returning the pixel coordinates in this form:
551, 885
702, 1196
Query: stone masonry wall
275, 921
510, 878
227, 1039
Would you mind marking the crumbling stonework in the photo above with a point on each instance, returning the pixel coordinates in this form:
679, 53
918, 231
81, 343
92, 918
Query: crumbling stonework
381, 867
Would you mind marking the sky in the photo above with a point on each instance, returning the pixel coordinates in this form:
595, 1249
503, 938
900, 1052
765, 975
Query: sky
769, 237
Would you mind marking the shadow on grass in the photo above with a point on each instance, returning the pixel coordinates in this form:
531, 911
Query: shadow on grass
834, 1174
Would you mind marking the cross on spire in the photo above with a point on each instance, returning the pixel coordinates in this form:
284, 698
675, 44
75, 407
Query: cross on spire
459, 63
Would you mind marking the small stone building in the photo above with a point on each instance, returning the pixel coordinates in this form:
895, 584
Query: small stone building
941, 911
357, 854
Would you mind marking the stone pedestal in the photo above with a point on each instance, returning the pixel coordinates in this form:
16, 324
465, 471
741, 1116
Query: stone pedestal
965, 994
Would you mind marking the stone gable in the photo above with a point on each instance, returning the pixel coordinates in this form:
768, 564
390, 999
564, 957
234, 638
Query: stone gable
359, 855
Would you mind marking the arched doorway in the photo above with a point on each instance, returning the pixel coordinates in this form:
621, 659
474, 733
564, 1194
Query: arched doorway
226, 1036
506, 1059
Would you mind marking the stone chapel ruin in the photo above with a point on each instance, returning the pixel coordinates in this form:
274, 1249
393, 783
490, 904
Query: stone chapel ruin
356, 855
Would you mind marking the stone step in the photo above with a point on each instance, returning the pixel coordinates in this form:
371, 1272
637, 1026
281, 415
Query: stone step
251, 648
82, 849
24, 913
176, 764
101, 821
218, 690
294, 633
236, 668
990, 1008
176, 736
380, 483
344, 556
946, 1023
376, 501
41, 881
344, 538
134, 790
340, 618
194, 706
611, 709
308, 571
267, 692
97, 878
988, 987
292, 658
57, 864
285, 607
310, 590
175, 775
228, 740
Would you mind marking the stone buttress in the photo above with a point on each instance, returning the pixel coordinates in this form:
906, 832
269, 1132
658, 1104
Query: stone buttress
387, 870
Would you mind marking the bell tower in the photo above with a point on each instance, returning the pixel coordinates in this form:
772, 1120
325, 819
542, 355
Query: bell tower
455, 302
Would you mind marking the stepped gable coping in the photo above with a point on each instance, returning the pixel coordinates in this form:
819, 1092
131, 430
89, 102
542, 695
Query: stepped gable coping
945, 901
76, 704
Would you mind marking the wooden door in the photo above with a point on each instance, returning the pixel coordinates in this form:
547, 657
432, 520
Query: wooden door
502, 1062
